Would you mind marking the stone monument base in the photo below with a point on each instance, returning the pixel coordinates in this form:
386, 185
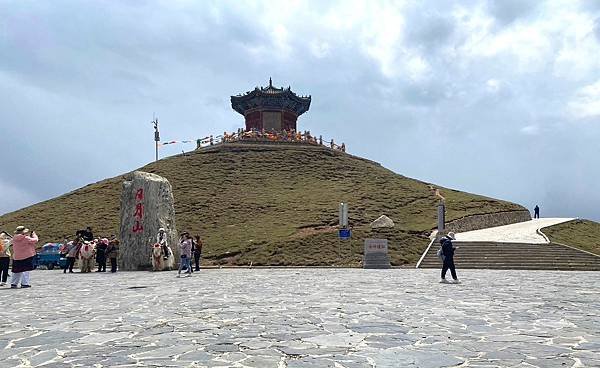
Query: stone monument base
376, 254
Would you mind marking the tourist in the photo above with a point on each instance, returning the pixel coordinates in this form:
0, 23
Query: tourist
161, 238
197, 252
62, 250
72, 253
23, 255
101, 254
448, 257
5, 243
185, 245
536, 212
113, 252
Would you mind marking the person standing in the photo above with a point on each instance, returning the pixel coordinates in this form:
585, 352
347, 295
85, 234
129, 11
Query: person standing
63, 250
185, 245
24, 253
448, 257
113, 252
72, 253
101, 254
5, 243
536, 212
197, 252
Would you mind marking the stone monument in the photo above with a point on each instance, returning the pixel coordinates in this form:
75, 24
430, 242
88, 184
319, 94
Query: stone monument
376, 254
146, 206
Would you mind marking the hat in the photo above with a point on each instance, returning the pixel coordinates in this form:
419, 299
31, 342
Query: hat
161, 229
451, 235
21, 230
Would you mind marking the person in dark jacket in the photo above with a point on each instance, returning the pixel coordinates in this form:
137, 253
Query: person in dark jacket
536, 212
88, 235
101, 254
448, 256
113, 252
197, 251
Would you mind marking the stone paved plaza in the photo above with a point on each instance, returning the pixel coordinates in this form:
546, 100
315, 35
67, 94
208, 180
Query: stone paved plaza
303, 318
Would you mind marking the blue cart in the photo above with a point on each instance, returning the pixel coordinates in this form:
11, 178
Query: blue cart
49, 256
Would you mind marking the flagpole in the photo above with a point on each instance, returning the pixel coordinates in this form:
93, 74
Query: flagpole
156, 136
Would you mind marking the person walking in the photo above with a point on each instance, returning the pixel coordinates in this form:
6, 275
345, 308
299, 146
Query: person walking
24, 253
448, 257
101, 254
197, 252
536, 212
113, 252
5, 243
72, 253
185, 245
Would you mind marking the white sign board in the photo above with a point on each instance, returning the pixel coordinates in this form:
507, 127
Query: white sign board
376, 246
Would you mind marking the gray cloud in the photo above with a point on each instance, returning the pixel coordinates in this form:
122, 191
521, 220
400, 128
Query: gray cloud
435, 94
507, 11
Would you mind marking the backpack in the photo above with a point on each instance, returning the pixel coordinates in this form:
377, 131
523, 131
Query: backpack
440, 252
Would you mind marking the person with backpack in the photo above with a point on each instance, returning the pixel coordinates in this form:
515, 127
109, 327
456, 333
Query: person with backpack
447, 255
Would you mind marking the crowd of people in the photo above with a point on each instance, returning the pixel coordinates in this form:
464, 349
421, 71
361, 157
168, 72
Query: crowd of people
88, 249
271, 136
189, 246
102, 249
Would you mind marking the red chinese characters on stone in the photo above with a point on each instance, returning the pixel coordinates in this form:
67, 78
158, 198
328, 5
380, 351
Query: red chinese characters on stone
137, 227
139, 211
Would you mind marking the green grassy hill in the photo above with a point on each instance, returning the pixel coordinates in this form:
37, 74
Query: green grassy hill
582, 234
270, 205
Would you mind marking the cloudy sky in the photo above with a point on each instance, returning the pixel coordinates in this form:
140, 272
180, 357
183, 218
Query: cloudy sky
500, 98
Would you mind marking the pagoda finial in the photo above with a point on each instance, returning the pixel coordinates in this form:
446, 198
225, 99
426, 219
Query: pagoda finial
270, 82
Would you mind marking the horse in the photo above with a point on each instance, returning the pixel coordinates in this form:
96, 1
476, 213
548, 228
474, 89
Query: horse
86, 256
158, 261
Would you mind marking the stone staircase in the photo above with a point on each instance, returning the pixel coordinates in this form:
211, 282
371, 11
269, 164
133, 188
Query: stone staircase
515, 256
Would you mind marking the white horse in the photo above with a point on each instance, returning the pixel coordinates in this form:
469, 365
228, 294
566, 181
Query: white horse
86, 256
158, 261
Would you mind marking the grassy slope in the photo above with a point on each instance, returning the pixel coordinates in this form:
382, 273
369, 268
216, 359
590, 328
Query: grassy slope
582, 234
271, 205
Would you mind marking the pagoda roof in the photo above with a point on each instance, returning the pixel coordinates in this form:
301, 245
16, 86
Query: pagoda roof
271, 98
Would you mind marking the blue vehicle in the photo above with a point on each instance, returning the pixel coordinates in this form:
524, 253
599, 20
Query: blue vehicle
49, 256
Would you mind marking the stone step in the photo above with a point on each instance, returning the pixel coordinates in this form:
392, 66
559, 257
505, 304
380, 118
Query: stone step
524, 267
490, 255
519, 257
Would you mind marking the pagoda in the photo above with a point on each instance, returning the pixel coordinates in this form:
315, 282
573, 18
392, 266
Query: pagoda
270, 108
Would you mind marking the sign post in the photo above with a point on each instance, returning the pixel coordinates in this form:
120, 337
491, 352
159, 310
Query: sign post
441, 217
344, 231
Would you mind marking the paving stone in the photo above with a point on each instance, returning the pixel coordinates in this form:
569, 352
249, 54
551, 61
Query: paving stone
330, 317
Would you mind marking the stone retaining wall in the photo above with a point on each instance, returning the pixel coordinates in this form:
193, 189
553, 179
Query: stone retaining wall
476, 222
